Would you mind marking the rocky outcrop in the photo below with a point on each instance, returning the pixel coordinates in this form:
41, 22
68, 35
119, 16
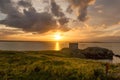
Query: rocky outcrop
98, 53
73, 53
90, 53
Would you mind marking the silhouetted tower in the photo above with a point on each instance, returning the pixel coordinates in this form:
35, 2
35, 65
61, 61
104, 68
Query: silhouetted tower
73, 46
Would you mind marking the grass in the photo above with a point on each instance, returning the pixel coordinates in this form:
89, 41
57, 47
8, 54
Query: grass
52, 65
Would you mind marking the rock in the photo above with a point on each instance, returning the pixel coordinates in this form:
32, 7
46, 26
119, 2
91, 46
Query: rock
73, 53
89, 53
97, 53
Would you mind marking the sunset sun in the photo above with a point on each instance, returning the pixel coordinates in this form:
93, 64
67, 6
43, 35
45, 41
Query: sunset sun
57, 36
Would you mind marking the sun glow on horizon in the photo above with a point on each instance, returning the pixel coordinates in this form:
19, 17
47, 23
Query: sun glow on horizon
57, 36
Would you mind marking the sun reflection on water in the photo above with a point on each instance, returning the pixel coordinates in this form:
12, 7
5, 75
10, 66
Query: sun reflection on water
57, 46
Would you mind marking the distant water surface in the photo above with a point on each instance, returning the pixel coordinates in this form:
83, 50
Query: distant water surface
37, 46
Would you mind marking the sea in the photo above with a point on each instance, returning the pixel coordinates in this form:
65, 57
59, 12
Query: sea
38, 46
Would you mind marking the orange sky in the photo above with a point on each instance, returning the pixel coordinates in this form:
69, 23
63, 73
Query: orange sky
96, 20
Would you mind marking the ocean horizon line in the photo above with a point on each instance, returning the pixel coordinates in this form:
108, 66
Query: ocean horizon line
57, 41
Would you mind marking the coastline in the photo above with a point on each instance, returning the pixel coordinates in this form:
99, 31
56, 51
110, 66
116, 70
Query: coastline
51, 65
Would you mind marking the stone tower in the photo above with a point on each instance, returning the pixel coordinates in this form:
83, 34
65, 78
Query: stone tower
73, 46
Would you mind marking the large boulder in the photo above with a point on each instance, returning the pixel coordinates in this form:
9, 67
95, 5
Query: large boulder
89, 53
73, 53
97, 53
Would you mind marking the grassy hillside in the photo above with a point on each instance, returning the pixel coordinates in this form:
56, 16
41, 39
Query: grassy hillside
52, 65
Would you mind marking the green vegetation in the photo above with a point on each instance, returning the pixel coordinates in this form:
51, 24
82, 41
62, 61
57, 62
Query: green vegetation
52, 65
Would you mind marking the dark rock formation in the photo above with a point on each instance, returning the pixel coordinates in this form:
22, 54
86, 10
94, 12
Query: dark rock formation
90, 53
73, 53
98, 53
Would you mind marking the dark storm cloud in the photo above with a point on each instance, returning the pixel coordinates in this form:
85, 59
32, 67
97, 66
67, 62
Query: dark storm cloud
56, 10
63, 20
82, 6
109, 12
24, 3
6, 7
30, 19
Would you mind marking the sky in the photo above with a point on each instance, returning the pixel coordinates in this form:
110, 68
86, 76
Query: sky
73, 20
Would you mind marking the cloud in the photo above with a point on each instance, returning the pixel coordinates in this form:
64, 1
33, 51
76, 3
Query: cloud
109, 13
22, 14
56, 9
80, 6
5, 32
24, 3
30, 19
